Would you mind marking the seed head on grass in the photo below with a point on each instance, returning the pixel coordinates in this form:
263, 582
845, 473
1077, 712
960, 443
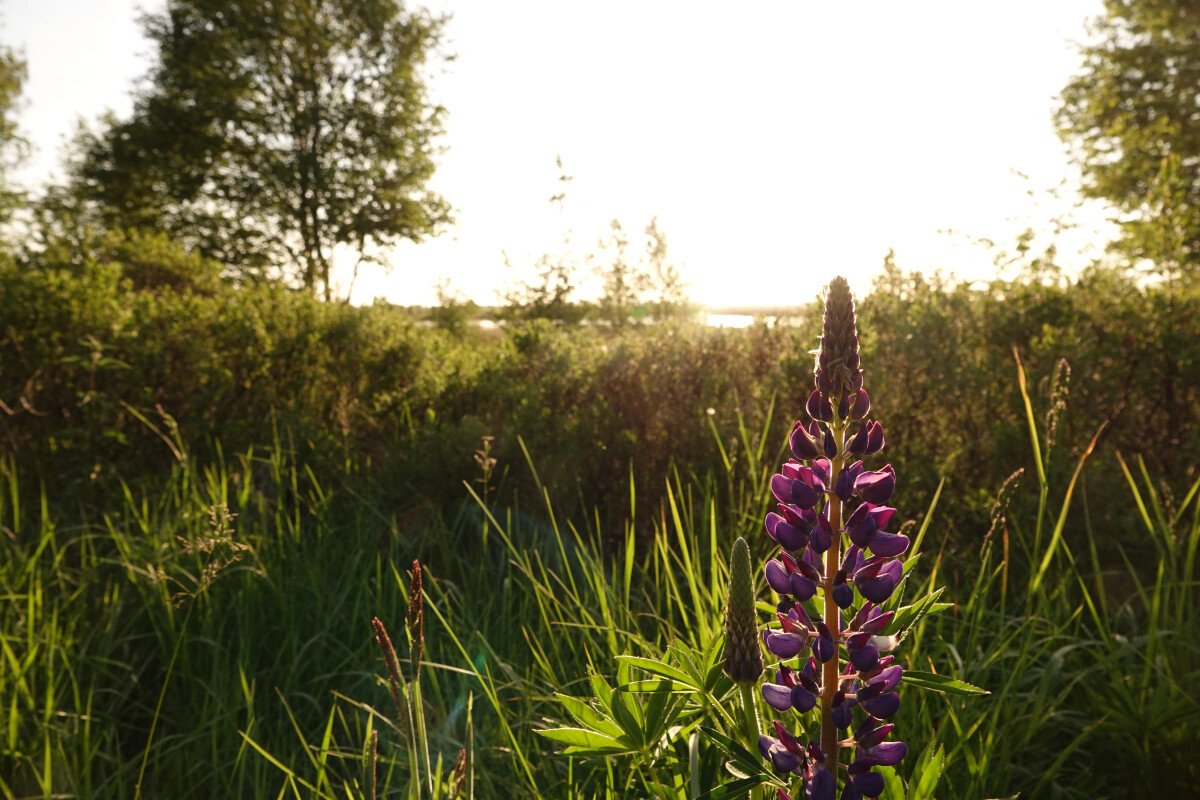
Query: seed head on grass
390, 661
415, 621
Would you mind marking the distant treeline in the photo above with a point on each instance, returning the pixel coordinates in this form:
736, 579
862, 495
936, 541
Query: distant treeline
111, 369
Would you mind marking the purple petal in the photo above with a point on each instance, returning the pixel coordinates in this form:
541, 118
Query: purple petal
785, 645
781, 487
865, 657
777, 697
818, 406
802, 444
884, 707
777, 576
861, 405
875, 441
765, 743
785, 535
820, 786
872, 732
888, 544
887, 678
877, 584
822, 535
858, 443
876, 487
882, 515
888, 754
784, 761
803, 699
877, 621
869, 783
801, 586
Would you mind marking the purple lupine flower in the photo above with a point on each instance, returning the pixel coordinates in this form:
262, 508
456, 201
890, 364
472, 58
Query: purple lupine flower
837, 554
785, 534
878, 578
876, 487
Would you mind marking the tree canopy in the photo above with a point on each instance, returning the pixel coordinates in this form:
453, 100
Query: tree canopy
1132, 116
12, 146
275, 134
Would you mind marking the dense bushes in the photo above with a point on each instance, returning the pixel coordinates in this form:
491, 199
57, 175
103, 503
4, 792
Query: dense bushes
112, 369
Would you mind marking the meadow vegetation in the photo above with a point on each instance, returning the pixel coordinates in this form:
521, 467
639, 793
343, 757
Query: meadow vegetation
210, 490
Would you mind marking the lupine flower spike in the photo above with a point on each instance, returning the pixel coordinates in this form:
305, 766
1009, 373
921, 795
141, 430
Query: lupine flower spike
835, 569
743, 657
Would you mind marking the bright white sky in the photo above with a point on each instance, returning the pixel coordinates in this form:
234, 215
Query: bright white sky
778, 142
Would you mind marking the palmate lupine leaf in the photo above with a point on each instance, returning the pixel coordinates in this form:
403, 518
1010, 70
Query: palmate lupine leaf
634, 717
661, 669
583, 741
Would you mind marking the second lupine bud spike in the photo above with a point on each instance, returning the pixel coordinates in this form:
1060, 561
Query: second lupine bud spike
838, 372
743, 656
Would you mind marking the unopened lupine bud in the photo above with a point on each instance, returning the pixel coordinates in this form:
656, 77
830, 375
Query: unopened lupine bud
844, 486
823, 648
818, 406
802, 443
830, 444
837, 372
743, 658
868, 440
860, 406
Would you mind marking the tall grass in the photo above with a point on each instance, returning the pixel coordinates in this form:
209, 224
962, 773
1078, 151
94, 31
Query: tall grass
165, 649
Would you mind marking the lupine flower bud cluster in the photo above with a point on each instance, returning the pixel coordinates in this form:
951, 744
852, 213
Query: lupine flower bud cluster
836, 567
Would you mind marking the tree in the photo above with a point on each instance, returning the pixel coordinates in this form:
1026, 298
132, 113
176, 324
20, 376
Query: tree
12, 145
1133, 118
550, 295
274, 135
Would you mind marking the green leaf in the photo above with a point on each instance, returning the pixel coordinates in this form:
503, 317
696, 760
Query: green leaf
587, 716
657, 684
603, 691
941, 683
585, 741
893, 786
908, 616
660, 669
927, 774
747, 762
737, 789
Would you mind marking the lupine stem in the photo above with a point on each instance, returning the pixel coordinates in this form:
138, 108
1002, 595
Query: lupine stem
750, 720
830, 679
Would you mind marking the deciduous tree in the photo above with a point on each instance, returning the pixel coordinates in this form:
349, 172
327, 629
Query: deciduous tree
1132, 116
276, 135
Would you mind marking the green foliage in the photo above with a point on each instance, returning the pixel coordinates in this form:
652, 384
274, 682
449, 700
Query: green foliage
241, 641
273, 137
12, 145
92, 351
1131, 115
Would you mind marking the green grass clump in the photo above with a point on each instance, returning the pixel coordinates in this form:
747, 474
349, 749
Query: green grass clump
212, 637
